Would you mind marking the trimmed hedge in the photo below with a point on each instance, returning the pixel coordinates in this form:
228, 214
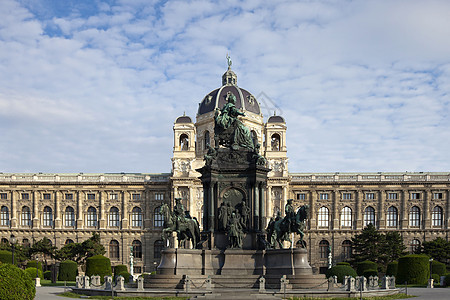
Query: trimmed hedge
119, 269
368, 273
32, 273
98, 265
15, 284
437, 279
413, 268
392, 268
125, 275
447, 279
33, 263
343, 263
5, 256
364, 266
341, 271
438, 268
68, 270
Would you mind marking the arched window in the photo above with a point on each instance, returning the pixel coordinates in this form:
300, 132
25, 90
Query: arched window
113, 217
392, 217
158, 219
414, 216
91, 220
323, 248
26, 216
47, 219
275, 142
346, 249
436, 216
114, 250
414, 246
68, 241
137, 249
206, 140
323, 217
4, 216
254, 138
184, 142
157, 248
369, 216
4, 241
136, 217
346, 217
69, 217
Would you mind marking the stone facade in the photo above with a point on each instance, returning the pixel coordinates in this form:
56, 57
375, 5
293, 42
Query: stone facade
123, 208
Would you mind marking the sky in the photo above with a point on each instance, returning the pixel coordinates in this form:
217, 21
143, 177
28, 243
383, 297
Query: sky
95, 86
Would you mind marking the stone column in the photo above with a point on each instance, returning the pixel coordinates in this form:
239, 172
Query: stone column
125, 200
211, 207
284, 199
336, 212
58, 209
102, 221
312, 210
447, 223
404, 212
262, 207
14, 196
191, 201
426, 209
80, 196
381, 210
358, 223
256, 207
269, 202
36, 222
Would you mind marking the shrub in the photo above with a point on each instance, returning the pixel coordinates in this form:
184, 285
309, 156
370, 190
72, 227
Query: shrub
119, 269
368, 273
438, 268
98, 265
437, 279
341, 271
68, 270
125, 275
413, 268
447, 279
32, 273
343, 263
48, 275
392, 268
15, 284
365, 265
33, 263
5, 256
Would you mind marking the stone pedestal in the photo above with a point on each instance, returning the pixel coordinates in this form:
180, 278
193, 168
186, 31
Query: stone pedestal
240, 262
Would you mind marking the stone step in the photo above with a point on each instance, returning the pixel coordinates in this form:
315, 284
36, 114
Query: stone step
237, 296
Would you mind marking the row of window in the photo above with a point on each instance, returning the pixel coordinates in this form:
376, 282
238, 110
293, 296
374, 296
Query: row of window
372, 196
391, 218
69, 217
89, 196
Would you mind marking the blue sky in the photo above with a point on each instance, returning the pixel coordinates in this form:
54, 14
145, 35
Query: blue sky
95, 86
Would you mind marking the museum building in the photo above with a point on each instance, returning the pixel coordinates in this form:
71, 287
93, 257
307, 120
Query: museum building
124, 207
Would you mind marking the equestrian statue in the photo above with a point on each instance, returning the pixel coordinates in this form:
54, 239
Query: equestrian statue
179, 221
279, 229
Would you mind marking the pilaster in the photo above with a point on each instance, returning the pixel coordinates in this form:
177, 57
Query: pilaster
404, 210
312, 210
125, 200
381, 209
336, 212
358, 222
36, 223
14, 196
426, 209
58, 209
80, 197
102, 196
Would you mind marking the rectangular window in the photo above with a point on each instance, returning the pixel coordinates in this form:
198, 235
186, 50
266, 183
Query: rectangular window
347, 196
3, 196
91, 196
46, 196
136, 197
415, 196
323, 196
159, 196
301, 196
438, 196
393, 196
137, 270
370, 196
69, 196
114, 196
25, 196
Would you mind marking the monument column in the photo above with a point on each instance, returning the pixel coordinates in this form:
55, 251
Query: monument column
263, 217
256, 202
285, 194
269, 202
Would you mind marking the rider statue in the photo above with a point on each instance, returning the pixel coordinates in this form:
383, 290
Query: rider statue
289, 213
179, 213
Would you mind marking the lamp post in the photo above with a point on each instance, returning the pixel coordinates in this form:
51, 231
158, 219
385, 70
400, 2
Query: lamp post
13, 243
430, 281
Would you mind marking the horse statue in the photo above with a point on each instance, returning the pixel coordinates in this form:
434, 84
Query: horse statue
186, 228
280, 229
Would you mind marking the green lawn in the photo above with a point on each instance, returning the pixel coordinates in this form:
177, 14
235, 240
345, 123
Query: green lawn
45, 282
392, 297
73, 295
